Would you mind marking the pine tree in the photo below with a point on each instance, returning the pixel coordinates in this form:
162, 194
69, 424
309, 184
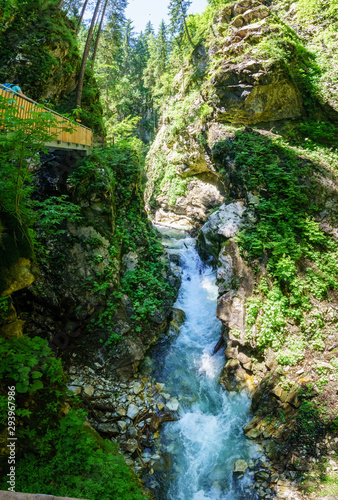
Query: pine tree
85, 55
163, 48
178, 13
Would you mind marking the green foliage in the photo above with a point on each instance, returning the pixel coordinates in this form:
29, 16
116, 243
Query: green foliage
54, 211
27, 360
35, 32
4, 307
288, 235
74, 462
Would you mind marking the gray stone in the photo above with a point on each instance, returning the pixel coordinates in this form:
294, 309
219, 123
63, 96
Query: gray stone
133, 433
110, 429
75, 388
132, 411
122, 425
132, 445
226, 221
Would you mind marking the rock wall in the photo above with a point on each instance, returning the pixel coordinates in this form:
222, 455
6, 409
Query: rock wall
79, 268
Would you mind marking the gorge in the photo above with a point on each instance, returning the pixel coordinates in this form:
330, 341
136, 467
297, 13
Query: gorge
169, 303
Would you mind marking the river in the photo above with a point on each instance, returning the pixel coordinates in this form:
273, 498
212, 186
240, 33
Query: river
199, 450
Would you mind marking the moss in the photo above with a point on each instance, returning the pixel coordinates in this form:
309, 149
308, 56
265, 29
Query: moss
14, 244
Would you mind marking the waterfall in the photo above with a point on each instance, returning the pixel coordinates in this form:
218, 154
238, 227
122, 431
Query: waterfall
202, 446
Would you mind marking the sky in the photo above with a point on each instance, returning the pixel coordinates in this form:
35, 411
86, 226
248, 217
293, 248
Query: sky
142, 11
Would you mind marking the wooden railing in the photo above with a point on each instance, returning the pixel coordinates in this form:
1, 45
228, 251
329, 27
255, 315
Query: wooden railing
64, 134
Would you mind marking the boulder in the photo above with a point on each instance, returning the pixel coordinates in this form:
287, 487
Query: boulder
240, 467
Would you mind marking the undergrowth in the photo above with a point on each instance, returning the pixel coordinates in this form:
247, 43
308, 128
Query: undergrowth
301, 259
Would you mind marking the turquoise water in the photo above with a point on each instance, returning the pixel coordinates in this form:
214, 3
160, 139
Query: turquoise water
199, 450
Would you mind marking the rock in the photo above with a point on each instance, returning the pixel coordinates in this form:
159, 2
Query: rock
240, 467
173, 404
110, 429
132, 411
179, 316
262, 475
121, 411
138, 387
18, 276
234, 377
132, 445
75, 388
130, 261
224, 223
122, 425
133, 433
159, 387
89, 390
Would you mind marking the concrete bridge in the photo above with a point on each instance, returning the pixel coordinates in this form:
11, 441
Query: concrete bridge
78, 138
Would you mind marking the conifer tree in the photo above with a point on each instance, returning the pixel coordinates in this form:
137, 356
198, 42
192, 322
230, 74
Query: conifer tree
178, 13
85, 55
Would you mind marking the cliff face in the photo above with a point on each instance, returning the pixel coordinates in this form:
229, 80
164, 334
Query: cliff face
248, 148
103, 287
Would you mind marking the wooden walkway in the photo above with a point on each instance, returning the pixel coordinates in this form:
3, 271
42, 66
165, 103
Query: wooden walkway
79, 138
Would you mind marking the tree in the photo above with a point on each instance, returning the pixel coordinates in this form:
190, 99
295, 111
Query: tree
81, 15
178, 12
85, 55
99, 31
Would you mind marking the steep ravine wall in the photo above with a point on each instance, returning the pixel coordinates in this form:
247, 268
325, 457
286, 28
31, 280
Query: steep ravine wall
65, 289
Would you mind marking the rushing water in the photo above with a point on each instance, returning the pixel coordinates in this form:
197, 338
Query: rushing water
199, 450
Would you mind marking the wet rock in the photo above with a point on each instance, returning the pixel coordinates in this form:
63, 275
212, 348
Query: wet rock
121, 412
234, 377
262, 476
179, 316
173, 404
240, 467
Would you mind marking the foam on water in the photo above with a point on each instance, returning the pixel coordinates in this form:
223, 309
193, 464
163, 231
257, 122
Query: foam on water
208, 437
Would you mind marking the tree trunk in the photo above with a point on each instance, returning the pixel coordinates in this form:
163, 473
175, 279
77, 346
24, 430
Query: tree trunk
185, 25
61, 2
187, 31
81, 16
99, 32
85, 56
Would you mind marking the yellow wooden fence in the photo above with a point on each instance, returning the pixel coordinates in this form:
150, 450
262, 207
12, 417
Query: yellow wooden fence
65, 134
